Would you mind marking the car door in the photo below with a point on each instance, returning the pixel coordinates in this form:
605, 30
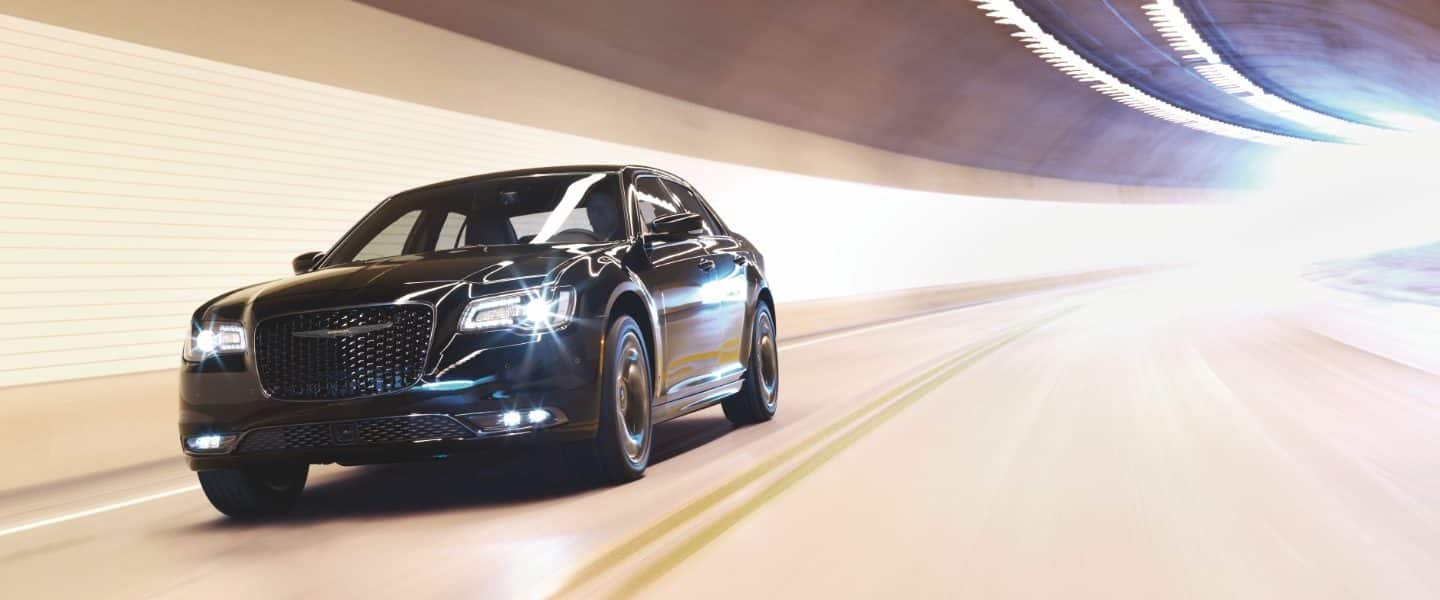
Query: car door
724, 293
677, 272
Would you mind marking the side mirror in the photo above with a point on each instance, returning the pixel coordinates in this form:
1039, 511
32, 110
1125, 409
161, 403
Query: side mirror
307, 261
678, 225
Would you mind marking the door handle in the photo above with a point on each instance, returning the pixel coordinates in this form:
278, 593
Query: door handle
740, 259
707, 264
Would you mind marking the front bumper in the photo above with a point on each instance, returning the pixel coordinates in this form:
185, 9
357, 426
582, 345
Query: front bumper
334, 449
557, 371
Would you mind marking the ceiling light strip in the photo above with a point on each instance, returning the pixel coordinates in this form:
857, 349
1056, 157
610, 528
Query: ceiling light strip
1172, 24
1067, 61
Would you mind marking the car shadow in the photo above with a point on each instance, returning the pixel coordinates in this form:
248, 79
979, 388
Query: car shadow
687, 433
465, 482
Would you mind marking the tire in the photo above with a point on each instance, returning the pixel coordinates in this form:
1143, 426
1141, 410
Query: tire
759, 396
621, 448
259, 491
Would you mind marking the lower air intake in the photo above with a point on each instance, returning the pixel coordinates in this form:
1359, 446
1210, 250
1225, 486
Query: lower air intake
365, 432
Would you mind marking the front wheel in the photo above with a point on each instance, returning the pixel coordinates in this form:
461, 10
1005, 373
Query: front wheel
760, 394
258, 491
621, 448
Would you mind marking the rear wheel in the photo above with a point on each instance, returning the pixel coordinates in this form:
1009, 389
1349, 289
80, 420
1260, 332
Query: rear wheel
256, 491
621, 448
759, 397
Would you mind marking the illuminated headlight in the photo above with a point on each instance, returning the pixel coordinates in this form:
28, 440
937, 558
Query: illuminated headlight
529, 310
216, 337
210, 443
510, 418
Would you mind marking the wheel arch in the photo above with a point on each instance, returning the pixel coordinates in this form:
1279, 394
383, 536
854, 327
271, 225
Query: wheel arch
632, 299
762, 295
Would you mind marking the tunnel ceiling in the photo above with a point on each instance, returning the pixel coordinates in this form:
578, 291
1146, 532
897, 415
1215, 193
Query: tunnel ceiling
938, 79
1359, 59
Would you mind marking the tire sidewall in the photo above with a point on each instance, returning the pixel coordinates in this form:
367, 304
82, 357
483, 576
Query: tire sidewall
762, 409
610, 426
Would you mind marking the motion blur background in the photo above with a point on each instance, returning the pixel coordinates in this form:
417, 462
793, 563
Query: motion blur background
154, 154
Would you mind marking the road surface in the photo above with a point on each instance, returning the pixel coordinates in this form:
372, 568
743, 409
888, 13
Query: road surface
1164, 436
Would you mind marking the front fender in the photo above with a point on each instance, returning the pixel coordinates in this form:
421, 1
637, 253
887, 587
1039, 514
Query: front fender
604, 282
634, 286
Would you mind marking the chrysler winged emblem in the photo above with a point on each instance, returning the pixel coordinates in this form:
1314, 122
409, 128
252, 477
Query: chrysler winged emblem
348, 331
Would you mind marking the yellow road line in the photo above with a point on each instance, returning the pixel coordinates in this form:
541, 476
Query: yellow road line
720, 525
945, 370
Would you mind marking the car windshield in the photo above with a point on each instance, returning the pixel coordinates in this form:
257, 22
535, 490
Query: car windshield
565, 208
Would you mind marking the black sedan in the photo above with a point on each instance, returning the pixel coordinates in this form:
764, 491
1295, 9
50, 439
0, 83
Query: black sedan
570, 306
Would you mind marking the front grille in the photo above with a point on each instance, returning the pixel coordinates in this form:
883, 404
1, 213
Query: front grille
346, 353
383, 430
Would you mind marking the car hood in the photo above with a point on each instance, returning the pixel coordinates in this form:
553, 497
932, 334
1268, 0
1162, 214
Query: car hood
404, 278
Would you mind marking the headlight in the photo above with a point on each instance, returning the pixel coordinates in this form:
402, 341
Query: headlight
216, 337
528, 310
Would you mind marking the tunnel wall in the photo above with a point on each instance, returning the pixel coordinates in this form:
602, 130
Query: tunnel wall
139, 182
156, 154
357, 47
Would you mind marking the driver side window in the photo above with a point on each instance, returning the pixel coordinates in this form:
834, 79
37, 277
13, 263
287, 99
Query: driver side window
653, 201
689, 203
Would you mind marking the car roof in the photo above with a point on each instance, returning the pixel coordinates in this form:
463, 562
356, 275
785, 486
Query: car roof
536, 171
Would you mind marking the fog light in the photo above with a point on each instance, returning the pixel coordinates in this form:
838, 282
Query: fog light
511, 418
210, 443
513, 421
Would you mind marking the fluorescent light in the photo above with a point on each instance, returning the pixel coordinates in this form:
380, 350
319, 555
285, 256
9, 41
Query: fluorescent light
1069, 62
1172, 24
